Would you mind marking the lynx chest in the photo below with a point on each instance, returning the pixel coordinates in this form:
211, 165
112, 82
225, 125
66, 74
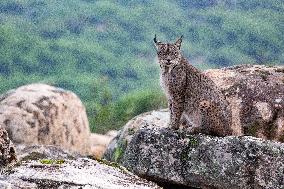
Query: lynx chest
167, 80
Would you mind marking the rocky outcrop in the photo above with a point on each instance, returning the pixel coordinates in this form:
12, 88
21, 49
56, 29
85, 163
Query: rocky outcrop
42, 114
54, 168
117, 146
7, 150
256, 96
146, 147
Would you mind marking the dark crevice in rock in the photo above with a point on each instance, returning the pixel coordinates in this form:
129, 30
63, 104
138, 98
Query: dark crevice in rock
59, 91
20, 103
43, 132
174, 186
7, 122
271, 125
45, 183
31, 123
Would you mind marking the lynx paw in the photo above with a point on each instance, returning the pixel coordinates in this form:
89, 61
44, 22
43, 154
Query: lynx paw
194, 130
173, 126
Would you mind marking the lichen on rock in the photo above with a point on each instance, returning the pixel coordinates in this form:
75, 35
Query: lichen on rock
174, 158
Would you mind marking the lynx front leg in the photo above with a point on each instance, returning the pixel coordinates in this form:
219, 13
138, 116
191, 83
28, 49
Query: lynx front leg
176, 110
177, 82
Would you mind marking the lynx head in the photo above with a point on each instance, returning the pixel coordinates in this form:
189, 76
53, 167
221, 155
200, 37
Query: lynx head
168, 54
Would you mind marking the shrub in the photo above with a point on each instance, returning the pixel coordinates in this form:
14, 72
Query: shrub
114, 116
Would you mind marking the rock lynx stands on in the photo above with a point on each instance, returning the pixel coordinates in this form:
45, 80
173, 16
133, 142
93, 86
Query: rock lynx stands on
193, 98
256, 97
42, 114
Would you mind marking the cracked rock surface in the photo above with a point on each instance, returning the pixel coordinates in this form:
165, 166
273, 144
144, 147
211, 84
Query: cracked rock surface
146, 147
53, 168
79, 173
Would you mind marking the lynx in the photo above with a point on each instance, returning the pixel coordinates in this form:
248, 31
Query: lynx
193, 98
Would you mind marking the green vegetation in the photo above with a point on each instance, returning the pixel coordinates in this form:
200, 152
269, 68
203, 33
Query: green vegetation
128, 106
191, 144
103, 50
52, 161
192, 141
34, 156
119, 151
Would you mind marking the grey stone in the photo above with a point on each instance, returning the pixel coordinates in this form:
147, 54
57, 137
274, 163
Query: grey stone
80, 173
146, 147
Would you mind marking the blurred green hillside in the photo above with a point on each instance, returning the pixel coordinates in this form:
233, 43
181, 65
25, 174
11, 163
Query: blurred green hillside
103, 50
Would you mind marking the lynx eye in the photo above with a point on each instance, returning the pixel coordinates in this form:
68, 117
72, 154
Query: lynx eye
174, 53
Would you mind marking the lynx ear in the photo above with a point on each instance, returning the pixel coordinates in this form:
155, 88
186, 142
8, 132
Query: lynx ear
178, 42
157, 43
155, 39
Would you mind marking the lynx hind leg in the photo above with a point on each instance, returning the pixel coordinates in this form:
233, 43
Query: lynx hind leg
214, 119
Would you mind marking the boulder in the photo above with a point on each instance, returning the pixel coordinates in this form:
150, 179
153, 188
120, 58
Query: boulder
256, 96
7, 150
146, 147
43, 114
53, 168
117, 146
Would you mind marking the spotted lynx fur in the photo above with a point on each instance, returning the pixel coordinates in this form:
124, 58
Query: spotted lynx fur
193, 98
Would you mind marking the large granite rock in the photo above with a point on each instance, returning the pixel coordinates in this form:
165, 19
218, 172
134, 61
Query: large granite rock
146, 147
7, 150
50, 167
42, 114
256, 96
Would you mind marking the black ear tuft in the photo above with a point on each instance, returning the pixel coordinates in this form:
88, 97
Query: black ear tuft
178, 42
155, 39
